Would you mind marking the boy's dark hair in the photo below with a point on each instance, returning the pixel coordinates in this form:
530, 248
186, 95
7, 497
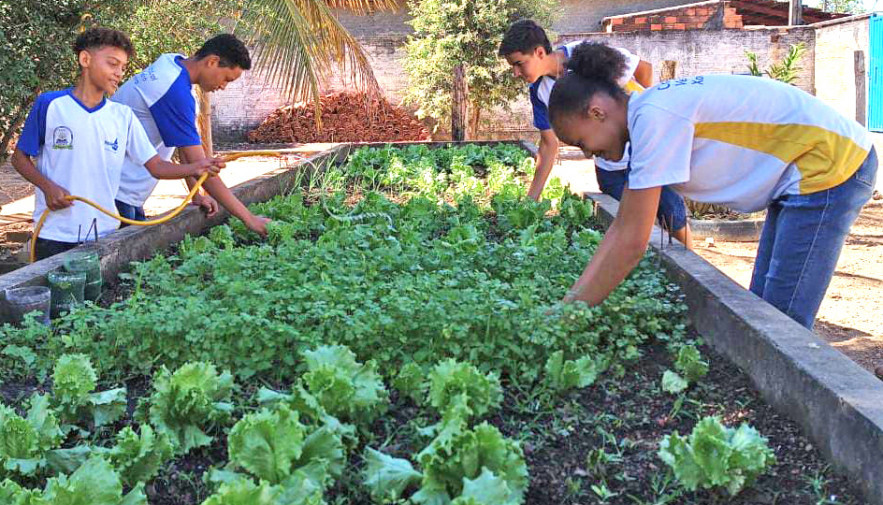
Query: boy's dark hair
231, 51
593, 68
96, 38
523, 36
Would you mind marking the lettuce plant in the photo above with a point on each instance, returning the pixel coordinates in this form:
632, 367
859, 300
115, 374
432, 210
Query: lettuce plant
25, 442
456, 382
691, 368
243, 491
139, 456
346, 389
716, 456
187, 402
562, 374
93, 483
474, 466
73, 380
274, 447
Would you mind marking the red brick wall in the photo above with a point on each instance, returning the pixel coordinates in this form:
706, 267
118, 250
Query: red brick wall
683, 18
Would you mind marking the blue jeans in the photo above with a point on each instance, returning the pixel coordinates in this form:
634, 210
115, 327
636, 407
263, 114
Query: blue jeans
672, 211
801, 242
130, 211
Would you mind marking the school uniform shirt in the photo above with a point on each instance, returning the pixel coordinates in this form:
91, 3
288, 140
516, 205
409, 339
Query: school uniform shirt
163, 100
542, 88
740, 141
82, 150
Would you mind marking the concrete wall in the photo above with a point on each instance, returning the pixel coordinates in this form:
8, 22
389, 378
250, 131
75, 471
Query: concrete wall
249, 100
696, 52
836, 44
246, 102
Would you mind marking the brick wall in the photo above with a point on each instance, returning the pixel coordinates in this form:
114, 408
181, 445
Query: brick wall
705, 15
836, 44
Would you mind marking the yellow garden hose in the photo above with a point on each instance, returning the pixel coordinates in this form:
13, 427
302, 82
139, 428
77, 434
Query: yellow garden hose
228, 158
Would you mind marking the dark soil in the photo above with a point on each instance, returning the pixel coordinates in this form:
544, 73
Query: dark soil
628, 417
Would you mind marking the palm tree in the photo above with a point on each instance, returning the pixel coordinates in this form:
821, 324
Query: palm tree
299, 42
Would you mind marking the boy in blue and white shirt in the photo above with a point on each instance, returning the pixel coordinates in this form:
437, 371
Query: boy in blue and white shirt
163, 100
80, 141
527, 49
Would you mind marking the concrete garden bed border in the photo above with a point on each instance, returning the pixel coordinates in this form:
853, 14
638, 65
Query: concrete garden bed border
838, 404
736, 230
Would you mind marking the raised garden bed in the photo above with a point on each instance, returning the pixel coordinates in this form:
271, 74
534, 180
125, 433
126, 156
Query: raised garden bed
408, 258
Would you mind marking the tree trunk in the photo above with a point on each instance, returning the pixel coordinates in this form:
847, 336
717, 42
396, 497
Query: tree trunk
667, 72
204, 121
458, 104
15, 124
474, 122
861, 92
795, 13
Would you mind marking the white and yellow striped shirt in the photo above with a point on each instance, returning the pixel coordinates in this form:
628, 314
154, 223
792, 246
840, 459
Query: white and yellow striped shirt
740, 141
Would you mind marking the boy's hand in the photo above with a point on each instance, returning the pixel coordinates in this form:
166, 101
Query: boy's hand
259, 225
211, 165
55, 197
208, 204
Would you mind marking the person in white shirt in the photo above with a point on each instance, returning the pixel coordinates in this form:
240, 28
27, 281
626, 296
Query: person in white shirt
80, 141
527, 49
745, 142
162, 97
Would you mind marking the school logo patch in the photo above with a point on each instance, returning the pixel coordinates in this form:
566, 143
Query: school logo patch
112, 146
62, 138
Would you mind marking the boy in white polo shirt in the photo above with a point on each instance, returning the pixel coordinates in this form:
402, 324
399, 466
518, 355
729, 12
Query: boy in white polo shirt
163, 100
80, 140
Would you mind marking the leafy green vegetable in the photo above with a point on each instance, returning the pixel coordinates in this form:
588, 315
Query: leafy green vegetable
690, 363
714, 455
94, 483
386, 477
673, 383
411, 382
185, 403
73, 380
691, 366
13, 494
487, 489
243, 491
275, 447
24, 442
138, 457
456, 382
458, 453
345, 388
266, 443
564, 374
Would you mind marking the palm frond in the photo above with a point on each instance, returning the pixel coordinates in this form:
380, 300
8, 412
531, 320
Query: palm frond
299, 43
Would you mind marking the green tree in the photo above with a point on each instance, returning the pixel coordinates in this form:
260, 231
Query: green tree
448, 33
172, 26
299, 42
844, 6
35, 52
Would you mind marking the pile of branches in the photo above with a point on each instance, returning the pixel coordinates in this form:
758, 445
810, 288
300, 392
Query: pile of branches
346, 117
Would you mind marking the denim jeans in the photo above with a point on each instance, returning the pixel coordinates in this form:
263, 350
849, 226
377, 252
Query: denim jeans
672, 211
130, 211
801, 242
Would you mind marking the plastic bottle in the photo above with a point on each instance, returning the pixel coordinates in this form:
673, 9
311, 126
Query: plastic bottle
21, 301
